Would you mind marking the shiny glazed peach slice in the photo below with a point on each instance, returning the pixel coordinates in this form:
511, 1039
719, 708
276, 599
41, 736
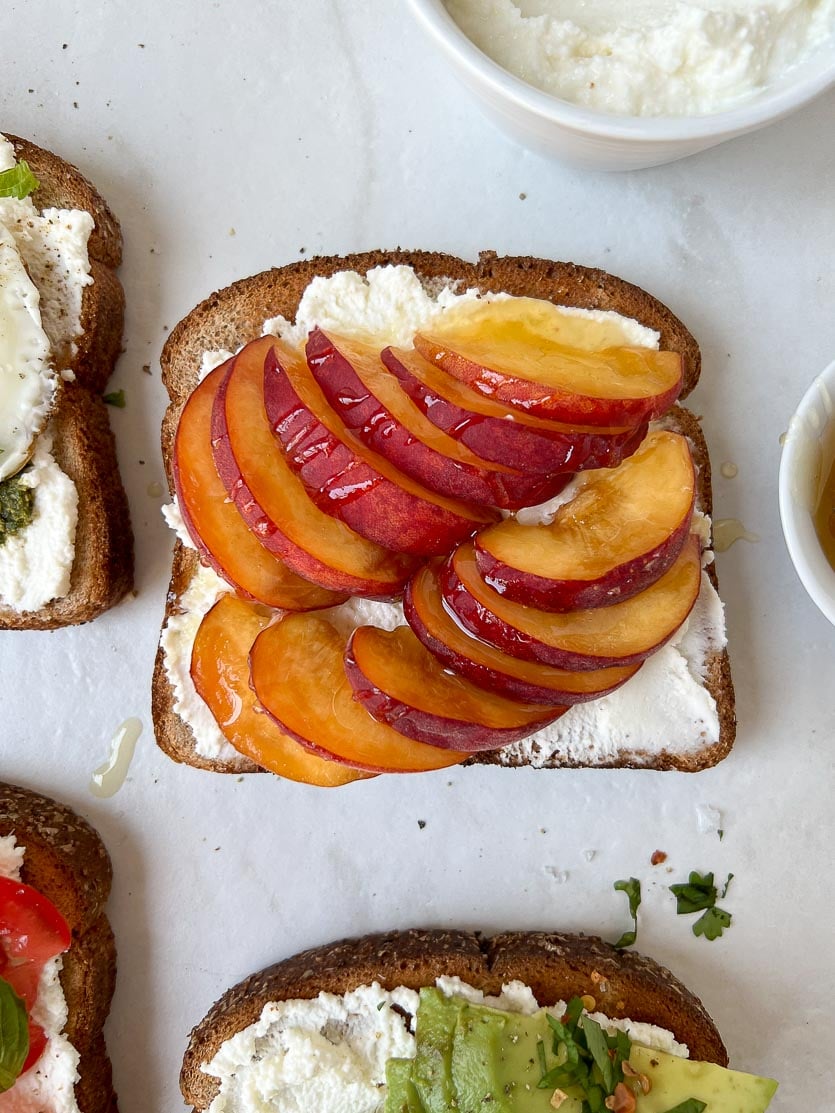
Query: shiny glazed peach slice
220, 671
215, 526
273, 501
508, 350
348, 480
500, 433
490, 668
299, 679
373, 404
622, 634
401, 683
620, 533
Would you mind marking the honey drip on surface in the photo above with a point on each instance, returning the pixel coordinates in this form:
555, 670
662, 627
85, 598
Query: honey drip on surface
109, 777
825, 517
726, 531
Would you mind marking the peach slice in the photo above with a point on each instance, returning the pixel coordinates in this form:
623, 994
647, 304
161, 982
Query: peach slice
273, 501
509, 350
373, 404
501, 434
490, 668
401, 683
220, 671
220, 534
299, 679
622, 634
349, 481
621, 532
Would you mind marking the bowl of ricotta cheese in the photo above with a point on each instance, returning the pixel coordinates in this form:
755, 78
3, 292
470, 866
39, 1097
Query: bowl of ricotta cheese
626, 84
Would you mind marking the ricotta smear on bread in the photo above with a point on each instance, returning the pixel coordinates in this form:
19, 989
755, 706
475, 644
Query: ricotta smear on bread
49, 1085
329, 1054
44, 268
665, 707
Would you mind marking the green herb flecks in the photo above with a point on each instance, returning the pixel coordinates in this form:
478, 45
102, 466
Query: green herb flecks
14, 1036
116, 398
17, 503
632, 888
587, 1061
692, 1105
699, 894
18, 181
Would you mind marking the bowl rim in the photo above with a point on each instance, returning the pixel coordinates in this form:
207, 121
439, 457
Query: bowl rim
810, 563
764, 109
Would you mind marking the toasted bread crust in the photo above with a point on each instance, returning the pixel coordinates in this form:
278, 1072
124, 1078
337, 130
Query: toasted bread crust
83, 442
556, 966
235, 315
66, 861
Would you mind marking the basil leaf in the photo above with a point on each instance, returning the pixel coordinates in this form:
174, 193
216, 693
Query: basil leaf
712, 923
692, 1105
596, 1043
18, 181
699, 893
14, 1036
632, 888
116, 398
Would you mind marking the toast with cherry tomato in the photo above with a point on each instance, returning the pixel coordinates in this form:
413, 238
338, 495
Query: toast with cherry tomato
52, 908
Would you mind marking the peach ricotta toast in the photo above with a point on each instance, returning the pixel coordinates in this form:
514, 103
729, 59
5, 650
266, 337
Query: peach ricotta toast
432, 512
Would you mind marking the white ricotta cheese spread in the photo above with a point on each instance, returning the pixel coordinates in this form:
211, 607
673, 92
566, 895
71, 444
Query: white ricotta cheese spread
49, 1085
36, 562
648, 57
329, 1054
53, 246
663, 707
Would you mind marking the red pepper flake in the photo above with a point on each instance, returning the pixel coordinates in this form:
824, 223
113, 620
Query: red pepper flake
658, 856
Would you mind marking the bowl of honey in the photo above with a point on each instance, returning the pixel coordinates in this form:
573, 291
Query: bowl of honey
807, 491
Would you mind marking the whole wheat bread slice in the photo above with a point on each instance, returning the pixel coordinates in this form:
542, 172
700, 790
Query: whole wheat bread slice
84, 446
556, 966
235, 315
65, 859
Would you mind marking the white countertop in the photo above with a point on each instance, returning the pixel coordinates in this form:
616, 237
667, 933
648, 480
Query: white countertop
229, 136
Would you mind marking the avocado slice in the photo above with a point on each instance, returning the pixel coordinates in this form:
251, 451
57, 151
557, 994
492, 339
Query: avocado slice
437, 1017
401, 1095
674, 1080
496, 1062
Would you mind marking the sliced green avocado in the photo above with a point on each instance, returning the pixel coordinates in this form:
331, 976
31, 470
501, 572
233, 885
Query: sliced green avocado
674, 1080
401, 1095
496, 1063
437, 1016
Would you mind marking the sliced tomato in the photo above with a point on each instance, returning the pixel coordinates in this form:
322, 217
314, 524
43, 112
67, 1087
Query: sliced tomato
32, 931
31, 927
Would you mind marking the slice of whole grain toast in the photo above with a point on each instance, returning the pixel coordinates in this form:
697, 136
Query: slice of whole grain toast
65, 859
83, 443
231, 317
556, 966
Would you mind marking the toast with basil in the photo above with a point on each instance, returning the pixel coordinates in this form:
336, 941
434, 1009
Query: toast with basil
65, 860
83, 442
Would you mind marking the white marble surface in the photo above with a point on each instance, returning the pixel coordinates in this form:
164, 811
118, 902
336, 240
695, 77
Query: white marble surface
229, 136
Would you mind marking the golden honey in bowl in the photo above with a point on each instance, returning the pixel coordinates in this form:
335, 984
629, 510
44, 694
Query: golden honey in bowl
825, 516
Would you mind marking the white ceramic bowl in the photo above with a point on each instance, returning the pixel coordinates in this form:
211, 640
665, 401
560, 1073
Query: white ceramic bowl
808, 452
598, 140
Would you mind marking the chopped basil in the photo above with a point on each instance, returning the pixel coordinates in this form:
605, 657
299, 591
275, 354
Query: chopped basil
692, 1105
116, 398
14, 1036
18, 181
699, 894
586, 1058
712, 923
632, 888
